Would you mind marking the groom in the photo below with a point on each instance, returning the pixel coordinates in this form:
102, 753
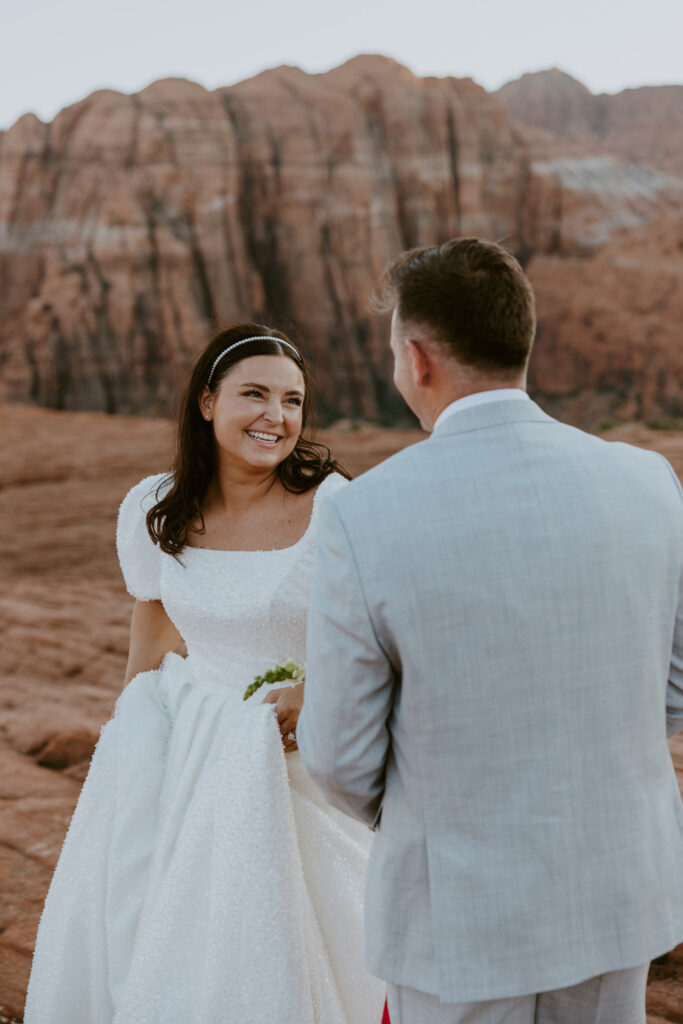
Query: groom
495, 652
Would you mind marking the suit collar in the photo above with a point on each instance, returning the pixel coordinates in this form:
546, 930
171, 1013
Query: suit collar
492, 414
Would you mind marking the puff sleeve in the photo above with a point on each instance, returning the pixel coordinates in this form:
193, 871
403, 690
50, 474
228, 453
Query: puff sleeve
333, 483
139, 557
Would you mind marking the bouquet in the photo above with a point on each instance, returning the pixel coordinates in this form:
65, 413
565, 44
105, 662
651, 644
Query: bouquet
290, 670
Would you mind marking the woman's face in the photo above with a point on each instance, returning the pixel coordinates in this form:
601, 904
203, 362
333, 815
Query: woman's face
257, 410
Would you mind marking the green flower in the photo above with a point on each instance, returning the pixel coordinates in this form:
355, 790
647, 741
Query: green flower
278, 674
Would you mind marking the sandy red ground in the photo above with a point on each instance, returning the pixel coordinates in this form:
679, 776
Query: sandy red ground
63, 638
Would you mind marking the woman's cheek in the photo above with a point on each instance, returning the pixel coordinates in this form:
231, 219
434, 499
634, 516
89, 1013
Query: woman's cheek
293, 421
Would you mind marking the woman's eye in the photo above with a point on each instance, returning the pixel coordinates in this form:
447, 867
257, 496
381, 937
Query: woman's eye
295, 401
248, 394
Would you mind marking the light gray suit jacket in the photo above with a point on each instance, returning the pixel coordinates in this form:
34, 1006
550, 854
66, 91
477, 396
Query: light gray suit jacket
495, 647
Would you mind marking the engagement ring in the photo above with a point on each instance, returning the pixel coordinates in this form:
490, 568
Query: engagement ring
291, 736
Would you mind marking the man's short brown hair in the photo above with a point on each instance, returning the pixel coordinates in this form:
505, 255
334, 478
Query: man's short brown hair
474, 296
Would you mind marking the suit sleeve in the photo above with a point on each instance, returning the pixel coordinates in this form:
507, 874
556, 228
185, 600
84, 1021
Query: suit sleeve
674, 693
343, 730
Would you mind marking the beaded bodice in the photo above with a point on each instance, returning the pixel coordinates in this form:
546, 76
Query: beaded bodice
239, 612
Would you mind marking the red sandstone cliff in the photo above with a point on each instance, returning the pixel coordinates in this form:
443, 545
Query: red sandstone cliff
643, 126
609, 335
130, 224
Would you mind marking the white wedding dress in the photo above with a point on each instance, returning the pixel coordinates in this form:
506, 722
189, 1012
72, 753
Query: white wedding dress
203, 878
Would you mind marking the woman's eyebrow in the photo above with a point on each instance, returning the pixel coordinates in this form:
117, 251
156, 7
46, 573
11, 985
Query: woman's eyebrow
264, 387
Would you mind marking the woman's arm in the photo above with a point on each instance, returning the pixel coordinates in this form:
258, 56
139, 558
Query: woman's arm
152, 635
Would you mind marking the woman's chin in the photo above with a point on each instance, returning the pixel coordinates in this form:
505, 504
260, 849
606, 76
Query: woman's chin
261, 455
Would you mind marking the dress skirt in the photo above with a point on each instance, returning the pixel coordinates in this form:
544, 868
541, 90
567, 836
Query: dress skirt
203, 878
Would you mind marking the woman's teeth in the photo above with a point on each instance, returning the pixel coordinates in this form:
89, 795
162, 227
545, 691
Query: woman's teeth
270, 438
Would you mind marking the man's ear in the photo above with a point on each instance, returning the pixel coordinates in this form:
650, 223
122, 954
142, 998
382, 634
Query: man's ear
421, 364
206, 403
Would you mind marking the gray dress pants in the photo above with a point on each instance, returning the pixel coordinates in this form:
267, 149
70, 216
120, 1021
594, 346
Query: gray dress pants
614, 998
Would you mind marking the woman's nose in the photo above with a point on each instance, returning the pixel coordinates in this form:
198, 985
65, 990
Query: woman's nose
273, 412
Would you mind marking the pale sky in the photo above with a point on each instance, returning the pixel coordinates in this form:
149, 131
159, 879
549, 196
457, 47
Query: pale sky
55, 52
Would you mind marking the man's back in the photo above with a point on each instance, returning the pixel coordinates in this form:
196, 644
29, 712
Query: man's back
495, 647
523, 580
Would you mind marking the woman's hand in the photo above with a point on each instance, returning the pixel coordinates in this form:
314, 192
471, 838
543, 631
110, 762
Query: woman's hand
288, 701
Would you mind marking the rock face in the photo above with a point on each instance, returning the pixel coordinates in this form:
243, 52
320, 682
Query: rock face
64, 618
609, 311
641, 126
131, 224
609, 336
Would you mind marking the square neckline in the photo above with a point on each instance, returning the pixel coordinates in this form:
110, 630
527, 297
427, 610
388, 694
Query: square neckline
269, 551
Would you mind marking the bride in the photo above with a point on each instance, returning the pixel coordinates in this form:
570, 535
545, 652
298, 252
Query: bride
203, 878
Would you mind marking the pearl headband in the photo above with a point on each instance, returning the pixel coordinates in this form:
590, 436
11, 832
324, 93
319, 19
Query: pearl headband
256, 337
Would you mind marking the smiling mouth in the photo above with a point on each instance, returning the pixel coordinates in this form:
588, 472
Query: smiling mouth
270, 439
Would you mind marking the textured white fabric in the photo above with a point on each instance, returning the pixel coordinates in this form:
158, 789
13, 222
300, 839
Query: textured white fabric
203, 878
479, 398
140, 559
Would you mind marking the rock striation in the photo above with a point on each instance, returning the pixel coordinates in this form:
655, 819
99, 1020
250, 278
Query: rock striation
641, 126
131, 225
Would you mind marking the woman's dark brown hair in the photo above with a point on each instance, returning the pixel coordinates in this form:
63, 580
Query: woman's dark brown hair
169, 522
